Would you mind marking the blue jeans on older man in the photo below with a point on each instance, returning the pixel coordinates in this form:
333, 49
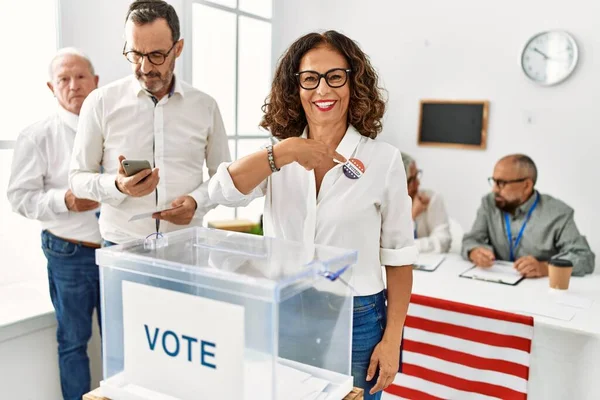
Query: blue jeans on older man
74, 289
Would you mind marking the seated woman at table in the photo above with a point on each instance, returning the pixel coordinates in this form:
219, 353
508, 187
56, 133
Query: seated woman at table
325, 107
432, 227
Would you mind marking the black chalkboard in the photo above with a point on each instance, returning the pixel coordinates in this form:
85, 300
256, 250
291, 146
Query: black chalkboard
453, 123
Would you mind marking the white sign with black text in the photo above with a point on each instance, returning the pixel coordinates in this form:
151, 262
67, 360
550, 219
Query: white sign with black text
181, 345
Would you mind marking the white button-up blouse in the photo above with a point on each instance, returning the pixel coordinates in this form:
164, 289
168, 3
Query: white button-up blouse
371, 214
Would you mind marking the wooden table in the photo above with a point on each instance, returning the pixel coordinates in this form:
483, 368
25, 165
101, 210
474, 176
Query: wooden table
355, 394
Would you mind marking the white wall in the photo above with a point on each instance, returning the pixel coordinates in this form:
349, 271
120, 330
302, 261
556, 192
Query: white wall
469, 49
29, 367
97, 28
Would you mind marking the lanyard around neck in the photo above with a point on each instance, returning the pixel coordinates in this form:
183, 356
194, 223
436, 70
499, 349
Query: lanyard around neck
513, 246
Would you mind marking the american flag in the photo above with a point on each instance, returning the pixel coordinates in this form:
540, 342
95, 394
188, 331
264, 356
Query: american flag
459, 351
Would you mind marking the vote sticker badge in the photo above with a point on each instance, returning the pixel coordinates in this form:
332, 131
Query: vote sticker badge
353, 168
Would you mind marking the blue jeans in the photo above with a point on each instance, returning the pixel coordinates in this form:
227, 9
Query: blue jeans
75, 292
369, 322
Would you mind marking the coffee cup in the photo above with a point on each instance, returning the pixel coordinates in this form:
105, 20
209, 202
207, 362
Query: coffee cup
559, 273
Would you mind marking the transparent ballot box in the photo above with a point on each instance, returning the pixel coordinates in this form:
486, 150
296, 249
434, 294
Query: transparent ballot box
209, 314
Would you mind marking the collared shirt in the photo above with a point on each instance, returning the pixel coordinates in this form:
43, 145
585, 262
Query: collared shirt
433, 226
177, 135
39, 178
371, 214
550, 233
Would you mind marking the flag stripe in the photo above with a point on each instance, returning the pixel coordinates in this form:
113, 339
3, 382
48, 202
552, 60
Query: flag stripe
470, 309
470, 360
436, 390
475, 335
464, 372
463, 384
408, 393
471, 321
465, 346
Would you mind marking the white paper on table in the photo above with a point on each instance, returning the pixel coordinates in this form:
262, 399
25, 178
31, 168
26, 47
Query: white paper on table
500, 272
146, 393
314, 386
313, 396
548, 310
297, 385
291, 383
150, 214
290, 375
429, 262
570, 299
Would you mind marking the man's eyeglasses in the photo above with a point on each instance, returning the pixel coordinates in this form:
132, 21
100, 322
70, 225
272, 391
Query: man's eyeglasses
155, 57
416, 176
502, 183
335, 78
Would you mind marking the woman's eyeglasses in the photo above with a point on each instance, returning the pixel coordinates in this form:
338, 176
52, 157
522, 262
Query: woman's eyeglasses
335, 78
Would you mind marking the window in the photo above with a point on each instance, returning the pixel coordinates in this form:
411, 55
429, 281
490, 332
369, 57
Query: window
231, 61
21, 258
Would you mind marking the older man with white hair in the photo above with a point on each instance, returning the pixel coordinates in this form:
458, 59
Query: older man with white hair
39, 189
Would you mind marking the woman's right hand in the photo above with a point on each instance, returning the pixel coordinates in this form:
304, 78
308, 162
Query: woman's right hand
419, 205
307, 152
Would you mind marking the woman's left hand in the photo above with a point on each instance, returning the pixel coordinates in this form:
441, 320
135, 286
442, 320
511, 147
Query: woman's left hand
386, 356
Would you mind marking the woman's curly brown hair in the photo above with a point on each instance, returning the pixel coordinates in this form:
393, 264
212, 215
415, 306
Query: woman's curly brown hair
284, 115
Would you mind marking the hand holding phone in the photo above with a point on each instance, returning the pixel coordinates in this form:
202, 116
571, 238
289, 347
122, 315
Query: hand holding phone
136, 177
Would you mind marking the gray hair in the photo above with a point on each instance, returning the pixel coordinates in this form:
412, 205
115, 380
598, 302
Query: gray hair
525, 164
407, 160
69, 51
143, 12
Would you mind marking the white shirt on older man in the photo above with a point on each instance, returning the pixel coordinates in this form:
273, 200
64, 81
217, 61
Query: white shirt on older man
39, 178
177, 135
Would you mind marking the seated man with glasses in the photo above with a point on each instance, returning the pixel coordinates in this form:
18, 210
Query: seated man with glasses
431, 223
517, 223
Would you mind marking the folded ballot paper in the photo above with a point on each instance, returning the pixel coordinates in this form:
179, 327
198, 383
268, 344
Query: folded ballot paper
150, 213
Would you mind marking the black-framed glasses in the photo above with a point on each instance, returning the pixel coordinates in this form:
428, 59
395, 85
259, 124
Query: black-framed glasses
416, 176
501, 183
155, 57
335, 78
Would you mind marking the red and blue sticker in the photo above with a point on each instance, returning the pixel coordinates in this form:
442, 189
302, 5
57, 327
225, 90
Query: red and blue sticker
353, 168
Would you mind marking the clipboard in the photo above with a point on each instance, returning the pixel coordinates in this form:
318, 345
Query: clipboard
428, 262
502, 273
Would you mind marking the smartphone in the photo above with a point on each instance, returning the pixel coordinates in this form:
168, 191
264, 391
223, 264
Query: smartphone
132, 167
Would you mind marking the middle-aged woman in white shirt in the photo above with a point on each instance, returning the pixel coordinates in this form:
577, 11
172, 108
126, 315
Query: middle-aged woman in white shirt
325, 105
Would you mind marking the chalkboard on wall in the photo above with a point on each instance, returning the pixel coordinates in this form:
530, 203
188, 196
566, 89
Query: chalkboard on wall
453, 123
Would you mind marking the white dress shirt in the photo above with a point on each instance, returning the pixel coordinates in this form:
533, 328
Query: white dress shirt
371, 214
433, 226
39, 178
177, 135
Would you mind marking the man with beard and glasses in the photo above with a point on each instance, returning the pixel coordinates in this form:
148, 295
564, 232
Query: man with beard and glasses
517, 223
151, 115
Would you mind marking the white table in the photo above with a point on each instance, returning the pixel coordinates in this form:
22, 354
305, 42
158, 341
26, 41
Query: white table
565, 355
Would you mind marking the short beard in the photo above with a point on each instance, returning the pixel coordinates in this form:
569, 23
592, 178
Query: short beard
165, 81
507, 206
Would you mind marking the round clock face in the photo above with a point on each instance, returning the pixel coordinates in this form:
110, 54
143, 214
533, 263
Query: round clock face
549, 57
